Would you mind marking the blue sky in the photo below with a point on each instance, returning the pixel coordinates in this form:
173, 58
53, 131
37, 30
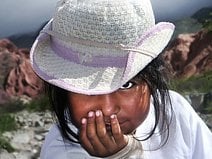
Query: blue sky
20, 16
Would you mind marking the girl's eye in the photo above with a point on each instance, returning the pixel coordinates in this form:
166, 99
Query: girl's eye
128, 85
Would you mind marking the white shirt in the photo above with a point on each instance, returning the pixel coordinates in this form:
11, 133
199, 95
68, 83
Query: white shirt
189, 138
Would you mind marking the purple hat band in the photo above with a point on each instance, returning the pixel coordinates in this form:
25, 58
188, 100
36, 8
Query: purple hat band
87, 59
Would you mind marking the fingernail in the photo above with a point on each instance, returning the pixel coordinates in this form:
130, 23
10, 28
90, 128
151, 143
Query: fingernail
113, 116
83, 121
90, 114
98, 113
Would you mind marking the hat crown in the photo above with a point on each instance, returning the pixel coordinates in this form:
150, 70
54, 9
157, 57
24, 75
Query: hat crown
96, 46
103, 21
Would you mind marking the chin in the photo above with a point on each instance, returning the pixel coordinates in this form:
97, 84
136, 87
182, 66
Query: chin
127, 131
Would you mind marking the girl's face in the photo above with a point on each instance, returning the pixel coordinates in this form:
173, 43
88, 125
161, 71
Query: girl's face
130, 104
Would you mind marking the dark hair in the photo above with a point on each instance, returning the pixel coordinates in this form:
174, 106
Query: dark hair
156, 75
153, 74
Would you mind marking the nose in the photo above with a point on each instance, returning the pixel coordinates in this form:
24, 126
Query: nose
109, 104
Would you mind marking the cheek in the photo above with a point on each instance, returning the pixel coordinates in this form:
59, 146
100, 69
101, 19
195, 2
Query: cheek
137, 111
141, 114
78, 111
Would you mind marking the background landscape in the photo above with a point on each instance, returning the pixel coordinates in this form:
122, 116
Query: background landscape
24, 109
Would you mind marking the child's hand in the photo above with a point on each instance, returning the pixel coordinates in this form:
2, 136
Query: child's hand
95, 138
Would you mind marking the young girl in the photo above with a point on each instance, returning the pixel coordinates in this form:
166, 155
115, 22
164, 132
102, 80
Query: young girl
107, 86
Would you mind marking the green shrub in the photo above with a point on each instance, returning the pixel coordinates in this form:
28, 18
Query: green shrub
39, 104
208, 25
4, 144
7, 123
201, 83
204, 16
207, 110
207, 22
12, 106
207, 104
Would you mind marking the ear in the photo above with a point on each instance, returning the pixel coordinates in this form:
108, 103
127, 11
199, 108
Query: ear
145, 96
145, 87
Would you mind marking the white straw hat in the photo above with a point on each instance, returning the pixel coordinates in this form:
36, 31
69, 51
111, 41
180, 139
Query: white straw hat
96, 46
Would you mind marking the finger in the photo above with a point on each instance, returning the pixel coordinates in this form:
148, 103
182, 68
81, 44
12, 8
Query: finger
92, 134
102, 133
83, 137
116, 131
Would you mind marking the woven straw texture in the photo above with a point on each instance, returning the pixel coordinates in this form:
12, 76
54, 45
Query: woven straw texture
96, 46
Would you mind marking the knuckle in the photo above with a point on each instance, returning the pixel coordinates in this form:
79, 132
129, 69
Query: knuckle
91, 136
102, 133
117, 134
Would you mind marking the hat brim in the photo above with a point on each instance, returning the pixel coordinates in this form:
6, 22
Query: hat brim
93, 80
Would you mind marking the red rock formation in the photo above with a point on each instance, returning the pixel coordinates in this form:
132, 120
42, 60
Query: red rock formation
5, 44
17, 76
23, 81
190, 54
8, 59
